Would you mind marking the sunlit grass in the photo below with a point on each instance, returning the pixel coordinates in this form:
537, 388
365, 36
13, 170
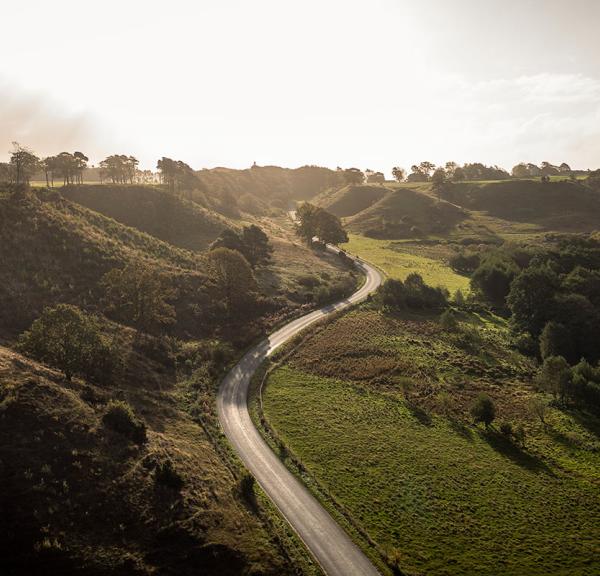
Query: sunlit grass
397, 263
445, 497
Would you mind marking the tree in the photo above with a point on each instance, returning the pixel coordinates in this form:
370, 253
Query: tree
68, 339
459, 174
520, 170
398, 173
438, 181
229, 238
548, 169
531, 298
375, 178
139, 295
24, 163
314, 221
329, 228
426, 168
556, 340
539, 407
235, 283
252, 243
80, 162
555, 376
493, 277
255, 245
120, 168
564, 168
483, 410
353, 176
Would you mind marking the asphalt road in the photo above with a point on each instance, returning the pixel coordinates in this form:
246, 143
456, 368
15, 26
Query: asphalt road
329, 544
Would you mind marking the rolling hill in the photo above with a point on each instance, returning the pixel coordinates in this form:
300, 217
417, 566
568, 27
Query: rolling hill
154, 210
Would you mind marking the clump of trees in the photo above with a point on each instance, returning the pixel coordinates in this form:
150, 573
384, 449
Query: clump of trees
177, 175
451, 171
139, 296
66, 338
529, 170
413, 293
251, 242
65, 165
314, 221
119, 169
23, 164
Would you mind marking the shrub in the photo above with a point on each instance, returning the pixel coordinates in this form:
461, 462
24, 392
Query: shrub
448, 320
538, 407
166, 475
483, 410
247, 490
120, 417
506, 429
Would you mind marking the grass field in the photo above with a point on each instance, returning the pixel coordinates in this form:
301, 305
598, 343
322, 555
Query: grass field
399, 263
440, 495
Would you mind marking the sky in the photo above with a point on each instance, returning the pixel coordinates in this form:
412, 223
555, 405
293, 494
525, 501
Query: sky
371, 84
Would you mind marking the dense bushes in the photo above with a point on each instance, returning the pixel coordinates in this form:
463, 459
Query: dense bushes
412, 293
120, 417
68, 339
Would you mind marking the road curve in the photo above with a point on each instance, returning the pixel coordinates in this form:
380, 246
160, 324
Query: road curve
328, 543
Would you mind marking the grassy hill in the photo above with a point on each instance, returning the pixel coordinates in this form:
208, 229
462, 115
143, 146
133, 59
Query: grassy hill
407, 467
351, 200
54, 250
154, 210
406, 213
559, 205
256, 189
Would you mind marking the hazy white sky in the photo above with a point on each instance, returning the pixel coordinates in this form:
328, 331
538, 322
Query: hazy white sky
371, 83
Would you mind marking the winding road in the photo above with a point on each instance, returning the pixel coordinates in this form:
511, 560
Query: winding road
327, 541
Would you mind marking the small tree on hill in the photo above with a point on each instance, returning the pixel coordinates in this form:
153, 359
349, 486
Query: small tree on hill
235, 283
314, 221
555, 377
255, 245
24, 163
483, 410
66, 338
139, 295
398, 173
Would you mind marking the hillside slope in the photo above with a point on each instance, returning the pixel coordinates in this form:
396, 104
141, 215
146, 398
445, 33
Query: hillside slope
79, 498
154, 210
351, 200
405, 213
54, 250
562, 205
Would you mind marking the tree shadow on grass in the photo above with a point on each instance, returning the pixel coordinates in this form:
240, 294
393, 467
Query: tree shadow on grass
516, 454
461, 428
419, 414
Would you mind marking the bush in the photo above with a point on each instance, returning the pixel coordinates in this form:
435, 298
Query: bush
483, 410
412, 293
448, 320
506, 429
247, 490
166, 475
120, 417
